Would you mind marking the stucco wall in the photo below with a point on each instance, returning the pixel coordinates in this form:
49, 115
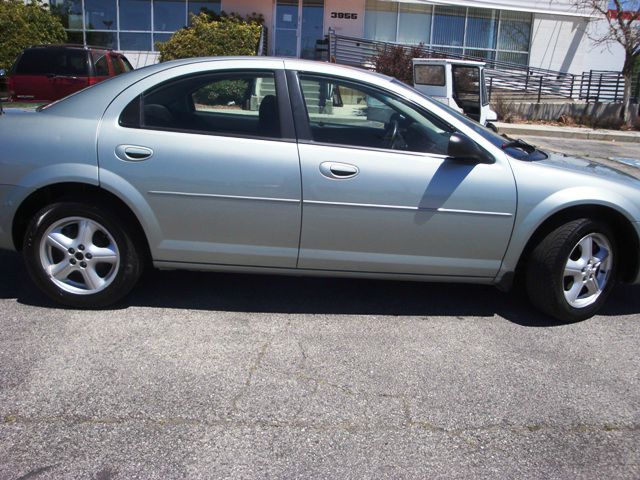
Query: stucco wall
350, 27
558, 43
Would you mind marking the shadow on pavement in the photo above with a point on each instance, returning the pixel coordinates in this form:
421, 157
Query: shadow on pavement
282, 294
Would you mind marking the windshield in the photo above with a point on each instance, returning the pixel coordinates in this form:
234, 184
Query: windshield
517, 150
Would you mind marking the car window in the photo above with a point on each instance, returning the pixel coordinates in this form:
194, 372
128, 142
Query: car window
429, 75
347, 113
223, 104
125, 63
117, 65
56, 61
102, 67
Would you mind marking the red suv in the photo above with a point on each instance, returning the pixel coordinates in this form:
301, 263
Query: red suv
50, 72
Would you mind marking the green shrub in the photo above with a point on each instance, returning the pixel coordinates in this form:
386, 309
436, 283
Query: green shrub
228, 35
23, 25
224, 92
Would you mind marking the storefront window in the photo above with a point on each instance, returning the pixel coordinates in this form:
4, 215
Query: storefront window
69, 12
135, 41
381, 20
169, 15
100, 14
103, 39
196, 8
448, 26
515, 31
414, 23
135, 14
478, 32
482, 28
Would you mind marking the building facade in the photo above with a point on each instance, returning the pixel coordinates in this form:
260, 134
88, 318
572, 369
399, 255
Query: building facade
539, 33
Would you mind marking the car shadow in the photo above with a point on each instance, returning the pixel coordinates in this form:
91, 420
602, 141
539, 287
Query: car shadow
306, 295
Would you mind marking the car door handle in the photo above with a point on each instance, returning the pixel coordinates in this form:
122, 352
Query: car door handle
133, 153
338, 170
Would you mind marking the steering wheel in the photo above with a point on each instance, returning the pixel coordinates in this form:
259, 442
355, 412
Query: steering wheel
392, 130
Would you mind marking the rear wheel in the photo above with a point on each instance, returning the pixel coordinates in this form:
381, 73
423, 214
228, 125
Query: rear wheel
80, 255
572, 270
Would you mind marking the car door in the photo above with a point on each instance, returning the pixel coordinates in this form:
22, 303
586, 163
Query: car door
211, 160
380, 194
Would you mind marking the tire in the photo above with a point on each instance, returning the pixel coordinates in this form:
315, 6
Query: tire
571, 272
81, 255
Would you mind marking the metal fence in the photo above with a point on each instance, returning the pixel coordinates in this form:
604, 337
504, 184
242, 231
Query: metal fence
508, 80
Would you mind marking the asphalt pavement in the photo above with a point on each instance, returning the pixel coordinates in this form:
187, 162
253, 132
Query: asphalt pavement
200, 375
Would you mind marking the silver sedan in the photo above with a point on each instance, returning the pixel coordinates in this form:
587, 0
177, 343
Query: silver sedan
294, 167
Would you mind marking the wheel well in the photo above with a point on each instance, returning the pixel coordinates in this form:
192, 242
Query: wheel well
77, 192
626, 237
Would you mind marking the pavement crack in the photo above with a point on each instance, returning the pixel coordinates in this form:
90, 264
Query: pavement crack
252, 371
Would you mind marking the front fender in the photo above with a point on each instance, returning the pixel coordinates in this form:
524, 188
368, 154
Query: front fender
531, 217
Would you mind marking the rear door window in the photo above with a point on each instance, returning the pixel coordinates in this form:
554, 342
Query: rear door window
100, 62
117, 65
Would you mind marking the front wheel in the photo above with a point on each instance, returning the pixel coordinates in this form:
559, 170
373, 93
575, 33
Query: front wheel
80, 255
572, 271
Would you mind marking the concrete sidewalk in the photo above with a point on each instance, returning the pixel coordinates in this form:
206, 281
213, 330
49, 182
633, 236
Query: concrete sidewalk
582, 133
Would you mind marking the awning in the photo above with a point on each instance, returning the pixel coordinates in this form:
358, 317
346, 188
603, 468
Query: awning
562, 8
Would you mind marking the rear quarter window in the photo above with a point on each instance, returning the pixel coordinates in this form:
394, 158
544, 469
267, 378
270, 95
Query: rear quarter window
65, 62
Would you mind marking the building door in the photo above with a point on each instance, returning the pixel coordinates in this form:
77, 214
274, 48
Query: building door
298, 25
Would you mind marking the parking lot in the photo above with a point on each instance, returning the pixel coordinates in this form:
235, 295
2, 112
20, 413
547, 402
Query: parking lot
204, 375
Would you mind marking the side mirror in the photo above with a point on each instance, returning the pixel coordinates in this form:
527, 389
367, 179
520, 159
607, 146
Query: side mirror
463, 148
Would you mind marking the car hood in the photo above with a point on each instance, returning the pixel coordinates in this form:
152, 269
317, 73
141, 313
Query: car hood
588, 167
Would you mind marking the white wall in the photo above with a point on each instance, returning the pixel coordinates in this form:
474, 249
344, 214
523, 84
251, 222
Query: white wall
565, 44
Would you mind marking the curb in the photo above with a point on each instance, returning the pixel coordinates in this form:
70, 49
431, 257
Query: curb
569, 133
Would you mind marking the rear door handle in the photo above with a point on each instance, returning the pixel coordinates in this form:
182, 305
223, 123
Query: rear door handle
338, 170
133, 153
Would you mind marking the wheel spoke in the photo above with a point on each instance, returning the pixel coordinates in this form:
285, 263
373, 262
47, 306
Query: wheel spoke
592, 286
61, 270
602, 255
60, 241
92, 280
86, 229
586, 247
103, 254
574, 291
574, 268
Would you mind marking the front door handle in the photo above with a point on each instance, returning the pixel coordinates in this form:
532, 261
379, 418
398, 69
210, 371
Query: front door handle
133, 153
338, 170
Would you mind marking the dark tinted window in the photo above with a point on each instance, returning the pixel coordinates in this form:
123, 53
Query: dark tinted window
43, 61
130, 116
101, 65
117, 65
345, 113
125, 63
223, 104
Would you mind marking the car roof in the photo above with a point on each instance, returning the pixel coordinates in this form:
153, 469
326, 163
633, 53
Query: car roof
68, 45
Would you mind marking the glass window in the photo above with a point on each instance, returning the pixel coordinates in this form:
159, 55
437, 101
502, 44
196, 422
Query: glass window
169, 15
135, 15
135, 41
101, 65
511, 57
346, 113
63, 61
448, 25
515, 31
414, 23
75, 37
430, 75
207, 6
482, 28
69, 12
125, 64
130, 116
117, 65
100, 14
224, 104
381, 20
102, 39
